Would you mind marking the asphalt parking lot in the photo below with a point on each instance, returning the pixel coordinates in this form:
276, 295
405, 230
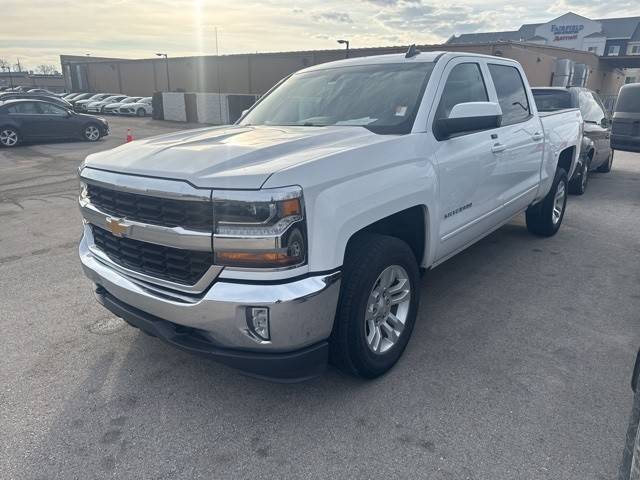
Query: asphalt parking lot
518, 368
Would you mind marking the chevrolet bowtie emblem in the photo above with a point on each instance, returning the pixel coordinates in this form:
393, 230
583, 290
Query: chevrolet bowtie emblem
117, 227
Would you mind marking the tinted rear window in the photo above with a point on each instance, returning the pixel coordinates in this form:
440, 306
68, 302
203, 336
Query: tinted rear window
550, 100
629, 99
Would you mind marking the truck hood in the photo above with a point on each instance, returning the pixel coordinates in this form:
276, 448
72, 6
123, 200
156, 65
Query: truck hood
240, 157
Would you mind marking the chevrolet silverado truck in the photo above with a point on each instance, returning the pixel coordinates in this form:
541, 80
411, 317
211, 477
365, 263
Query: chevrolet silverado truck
297, 235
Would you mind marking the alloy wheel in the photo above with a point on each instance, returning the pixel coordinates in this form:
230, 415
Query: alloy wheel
558, 203
92, 133
387, 309
8, 137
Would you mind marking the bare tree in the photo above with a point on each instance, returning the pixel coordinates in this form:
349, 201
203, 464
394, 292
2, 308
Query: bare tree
3, 63
46, 69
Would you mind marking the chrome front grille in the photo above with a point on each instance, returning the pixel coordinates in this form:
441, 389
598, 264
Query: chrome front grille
155, 230
167, 212
185, 267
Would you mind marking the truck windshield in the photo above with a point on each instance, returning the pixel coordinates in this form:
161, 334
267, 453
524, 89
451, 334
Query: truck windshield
551, 100
383, 98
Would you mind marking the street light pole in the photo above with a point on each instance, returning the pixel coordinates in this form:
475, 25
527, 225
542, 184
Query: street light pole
346, 43
166, 63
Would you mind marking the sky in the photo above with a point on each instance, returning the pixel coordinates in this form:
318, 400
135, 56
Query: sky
38, 31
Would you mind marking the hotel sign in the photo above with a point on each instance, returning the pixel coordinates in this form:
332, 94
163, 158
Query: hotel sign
566, 32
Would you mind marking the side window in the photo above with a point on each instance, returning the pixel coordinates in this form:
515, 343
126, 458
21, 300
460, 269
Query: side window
49, 109
23, 107
464, 84
511, 94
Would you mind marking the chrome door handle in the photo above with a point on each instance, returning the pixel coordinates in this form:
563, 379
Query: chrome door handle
498, 147
537, 136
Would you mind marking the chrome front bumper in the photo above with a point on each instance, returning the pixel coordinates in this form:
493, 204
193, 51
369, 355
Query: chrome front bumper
301, 311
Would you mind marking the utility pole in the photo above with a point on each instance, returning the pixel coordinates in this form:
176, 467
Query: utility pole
166, 63
218, 77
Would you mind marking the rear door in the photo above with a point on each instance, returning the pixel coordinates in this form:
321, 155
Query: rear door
520, 139
469, 194
28, 119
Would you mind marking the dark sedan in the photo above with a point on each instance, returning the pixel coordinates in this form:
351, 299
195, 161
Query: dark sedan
35, 120
61, 102
596, 153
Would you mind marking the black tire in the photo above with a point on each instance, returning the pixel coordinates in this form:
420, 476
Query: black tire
630, 447
87, 136
140, 112
10, 137
578, 184
366, 258
606, 166
540, 217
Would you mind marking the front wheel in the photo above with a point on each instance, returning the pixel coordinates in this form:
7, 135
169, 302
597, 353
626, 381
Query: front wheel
545, 218
140, 112
378, 305
91, 133
9, 137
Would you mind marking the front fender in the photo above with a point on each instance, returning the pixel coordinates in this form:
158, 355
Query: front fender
344, 209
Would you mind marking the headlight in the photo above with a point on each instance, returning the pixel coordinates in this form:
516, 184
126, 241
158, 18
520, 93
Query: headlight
259, 229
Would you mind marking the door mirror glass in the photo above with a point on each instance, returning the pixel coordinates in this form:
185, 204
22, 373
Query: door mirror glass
469, 117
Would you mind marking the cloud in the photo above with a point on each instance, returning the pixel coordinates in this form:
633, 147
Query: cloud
336, 17
39, 31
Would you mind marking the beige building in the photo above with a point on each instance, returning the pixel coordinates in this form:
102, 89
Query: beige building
256, 73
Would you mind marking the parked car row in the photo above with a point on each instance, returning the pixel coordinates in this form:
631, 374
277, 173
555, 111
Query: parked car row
110, 103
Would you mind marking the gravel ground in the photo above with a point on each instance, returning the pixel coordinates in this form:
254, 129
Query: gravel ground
519, 364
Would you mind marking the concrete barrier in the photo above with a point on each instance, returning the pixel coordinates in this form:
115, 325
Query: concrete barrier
173, 106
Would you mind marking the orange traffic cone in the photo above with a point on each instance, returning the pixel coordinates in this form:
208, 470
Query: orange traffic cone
129, 136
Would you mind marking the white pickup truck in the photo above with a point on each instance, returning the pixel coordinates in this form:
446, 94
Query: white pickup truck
297, 235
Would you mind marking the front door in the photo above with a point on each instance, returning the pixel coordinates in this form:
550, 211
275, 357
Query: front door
56, 122
466, 164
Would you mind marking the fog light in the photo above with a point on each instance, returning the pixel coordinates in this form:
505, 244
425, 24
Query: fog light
258, 322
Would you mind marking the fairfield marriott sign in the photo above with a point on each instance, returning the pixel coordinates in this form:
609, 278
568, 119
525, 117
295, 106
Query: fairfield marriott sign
565, 32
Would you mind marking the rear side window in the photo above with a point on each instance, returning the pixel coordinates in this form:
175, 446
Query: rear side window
511, 94
551, 100
629, 99
23, 107
464, 84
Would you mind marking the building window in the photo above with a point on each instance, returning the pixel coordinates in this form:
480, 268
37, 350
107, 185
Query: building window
593, 50
630, 80
634, 49
614, 50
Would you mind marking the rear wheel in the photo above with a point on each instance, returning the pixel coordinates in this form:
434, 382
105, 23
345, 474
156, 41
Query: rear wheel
606, 166
378, 305
9, 137
545, 218
140, 112
91, 133
578, 184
